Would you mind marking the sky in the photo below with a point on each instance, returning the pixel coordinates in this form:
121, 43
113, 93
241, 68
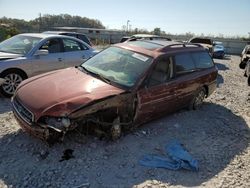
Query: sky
215, 17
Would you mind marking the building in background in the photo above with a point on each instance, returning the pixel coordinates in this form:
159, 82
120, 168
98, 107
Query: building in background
97, 36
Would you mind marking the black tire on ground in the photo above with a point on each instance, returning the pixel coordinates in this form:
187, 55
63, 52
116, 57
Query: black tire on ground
12, 79
243, 64
198, 99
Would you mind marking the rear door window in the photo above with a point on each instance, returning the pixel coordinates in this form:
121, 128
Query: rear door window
184, 64
202, 60
72, 45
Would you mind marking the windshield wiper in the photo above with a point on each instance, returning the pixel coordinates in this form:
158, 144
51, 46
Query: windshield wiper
101, 77
95, 74
83, 69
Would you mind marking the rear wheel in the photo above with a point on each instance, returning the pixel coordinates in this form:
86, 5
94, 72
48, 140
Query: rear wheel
198, 99
12, 80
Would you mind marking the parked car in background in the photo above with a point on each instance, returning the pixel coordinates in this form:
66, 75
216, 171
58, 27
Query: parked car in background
247, 72
119, 88
245, 56
144, 37
125, 38
26, 55
205, 42
219, 50
80, 36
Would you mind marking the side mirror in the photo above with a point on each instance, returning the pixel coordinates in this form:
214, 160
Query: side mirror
41, 52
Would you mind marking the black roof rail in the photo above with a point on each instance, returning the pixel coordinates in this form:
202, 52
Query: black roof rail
182, 45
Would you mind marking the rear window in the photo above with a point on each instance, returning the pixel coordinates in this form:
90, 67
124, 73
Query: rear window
184, 64
202, 60
203, 41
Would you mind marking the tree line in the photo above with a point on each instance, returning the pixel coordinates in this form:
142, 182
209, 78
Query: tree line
10, 27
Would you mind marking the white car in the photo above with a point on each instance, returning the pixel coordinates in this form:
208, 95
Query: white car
30, 54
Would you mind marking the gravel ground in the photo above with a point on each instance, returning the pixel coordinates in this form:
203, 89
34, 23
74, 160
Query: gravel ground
217, 135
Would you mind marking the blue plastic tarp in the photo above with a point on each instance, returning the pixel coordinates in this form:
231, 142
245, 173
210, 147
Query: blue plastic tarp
178, 158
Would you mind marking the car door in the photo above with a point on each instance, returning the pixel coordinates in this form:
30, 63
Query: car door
75, 53
52, 61
187, 78
157, 96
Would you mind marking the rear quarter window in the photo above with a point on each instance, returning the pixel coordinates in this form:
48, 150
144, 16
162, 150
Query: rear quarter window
202, 60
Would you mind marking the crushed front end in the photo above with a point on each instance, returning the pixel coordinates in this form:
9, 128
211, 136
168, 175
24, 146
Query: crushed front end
108, 115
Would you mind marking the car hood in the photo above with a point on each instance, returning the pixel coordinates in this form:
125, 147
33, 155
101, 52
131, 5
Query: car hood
5, 56
61, 92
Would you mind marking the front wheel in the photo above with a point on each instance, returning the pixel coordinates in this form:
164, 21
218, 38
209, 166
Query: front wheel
12, 80
198, 99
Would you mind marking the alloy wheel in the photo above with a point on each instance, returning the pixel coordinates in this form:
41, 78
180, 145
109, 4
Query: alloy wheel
12, 80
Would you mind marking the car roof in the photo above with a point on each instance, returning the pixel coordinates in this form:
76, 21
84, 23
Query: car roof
47, 35
155, 47
61, 32
40, 35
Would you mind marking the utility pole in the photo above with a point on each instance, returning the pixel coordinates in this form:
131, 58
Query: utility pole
40, 22
127, 25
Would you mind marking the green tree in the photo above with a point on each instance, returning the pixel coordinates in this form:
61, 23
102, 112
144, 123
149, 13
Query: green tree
157, 31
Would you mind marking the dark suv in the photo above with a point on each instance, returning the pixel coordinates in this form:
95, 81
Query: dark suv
121, 87
80, 36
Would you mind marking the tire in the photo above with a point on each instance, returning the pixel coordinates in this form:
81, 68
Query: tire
198, 99
12, 79
243, 64
248, 80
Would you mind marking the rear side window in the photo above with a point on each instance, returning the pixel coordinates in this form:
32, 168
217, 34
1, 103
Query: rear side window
202, 60
184, 64
71, 45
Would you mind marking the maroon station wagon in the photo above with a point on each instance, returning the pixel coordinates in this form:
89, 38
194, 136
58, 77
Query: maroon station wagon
122, 87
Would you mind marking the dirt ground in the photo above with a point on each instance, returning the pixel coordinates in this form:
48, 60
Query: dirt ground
217, 135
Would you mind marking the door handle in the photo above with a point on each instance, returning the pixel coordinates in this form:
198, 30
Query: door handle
60, 59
